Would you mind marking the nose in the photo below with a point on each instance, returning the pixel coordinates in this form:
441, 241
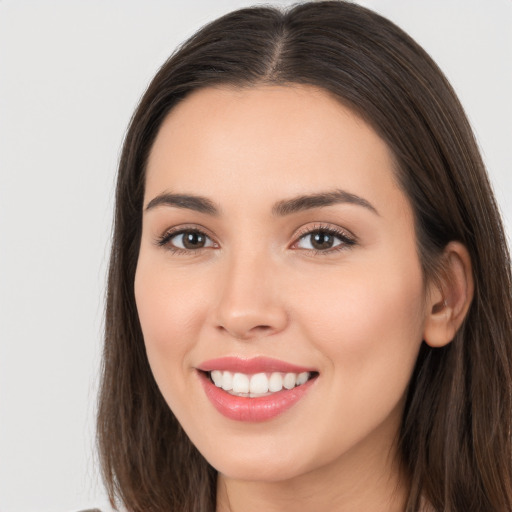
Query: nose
250, 302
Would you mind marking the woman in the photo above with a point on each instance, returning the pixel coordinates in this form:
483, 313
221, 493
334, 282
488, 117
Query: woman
309, 290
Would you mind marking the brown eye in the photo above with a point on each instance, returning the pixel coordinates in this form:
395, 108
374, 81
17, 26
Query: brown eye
323, 240
193, 240
188, 240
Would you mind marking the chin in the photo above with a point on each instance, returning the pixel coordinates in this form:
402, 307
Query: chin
258, 469
264, 459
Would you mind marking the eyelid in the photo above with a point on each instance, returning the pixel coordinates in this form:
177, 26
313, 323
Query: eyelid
164, 239
347, 238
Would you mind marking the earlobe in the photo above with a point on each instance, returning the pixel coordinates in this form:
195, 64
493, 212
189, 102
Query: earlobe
448, 301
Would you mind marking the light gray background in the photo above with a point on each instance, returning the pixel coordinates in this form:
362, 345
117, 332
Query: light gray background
71, 73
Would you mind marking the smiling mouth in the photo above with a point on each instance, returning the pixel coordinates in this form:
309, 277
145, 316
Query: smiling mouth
256, 389
258, 384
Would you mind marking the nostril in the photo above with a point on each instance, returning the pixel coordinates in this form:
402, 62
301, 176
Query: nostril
262, 328
241, 333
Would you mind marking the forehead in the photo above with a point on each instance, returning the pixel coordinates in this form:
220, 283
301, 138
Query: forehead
268, 140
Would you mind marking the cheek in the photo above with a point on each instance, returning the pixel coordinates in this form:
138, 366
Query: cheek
170, 309
367, 324
368, 321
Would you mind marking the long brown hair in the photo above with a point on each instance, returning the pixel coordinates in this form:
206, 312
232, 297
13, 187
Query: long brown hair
454, 441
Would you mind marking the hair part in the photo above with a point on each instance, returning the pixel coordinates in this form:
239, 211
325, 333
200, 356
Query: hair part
454, 441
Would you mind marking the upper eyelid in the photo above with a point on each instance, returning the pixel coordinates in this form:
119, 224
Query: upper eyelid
181, 228
164, 238
337, 230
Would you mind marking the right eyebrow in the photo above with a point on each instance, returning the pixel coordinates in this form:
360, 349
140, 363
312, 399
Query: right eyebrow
190, 202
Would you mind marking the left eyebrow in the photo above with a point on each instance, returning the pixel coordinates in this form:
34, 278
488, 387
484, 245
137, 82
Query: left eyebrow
319, 200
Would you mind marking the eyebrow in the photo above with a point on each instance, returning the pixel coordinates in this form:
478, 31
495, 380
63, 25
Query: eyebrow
322, 199
187, 201
281, 208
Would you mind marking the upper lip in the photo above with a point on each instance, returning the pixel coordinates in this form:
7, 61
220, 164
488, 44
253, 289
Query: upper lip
252, 365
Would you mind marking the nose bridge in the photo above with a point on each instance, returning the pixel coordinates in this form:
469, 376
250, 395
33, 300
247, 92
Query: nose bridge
249, 303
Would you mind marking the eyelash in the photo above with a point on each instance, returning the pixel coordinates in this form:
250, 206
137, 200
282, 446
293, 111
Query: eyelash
165, 240
347, 240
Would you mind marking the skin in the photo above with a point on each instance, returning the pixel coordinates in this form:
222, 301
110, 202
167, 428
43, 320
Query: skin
358, 315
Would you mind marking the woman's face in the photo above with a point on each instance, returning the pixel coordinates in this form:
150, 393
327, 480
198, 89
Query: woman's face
277, 247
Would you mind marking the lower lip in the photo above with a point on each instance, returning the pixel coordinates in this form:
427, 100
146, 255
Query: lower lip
254, 410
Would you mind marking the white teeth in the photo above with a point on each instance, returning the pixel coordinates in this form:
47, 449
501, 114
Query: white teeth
275, 383
217, 378
302, 378
259, 384
227, 381
289, 380
240, 383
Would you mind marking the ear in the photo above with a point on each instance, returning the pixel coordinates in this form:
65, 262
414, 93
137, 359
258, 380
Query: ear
449, 299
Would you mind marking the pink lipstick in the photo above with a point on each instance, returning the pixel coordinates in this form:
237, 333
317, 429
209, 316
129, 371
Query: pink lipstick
256, 389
